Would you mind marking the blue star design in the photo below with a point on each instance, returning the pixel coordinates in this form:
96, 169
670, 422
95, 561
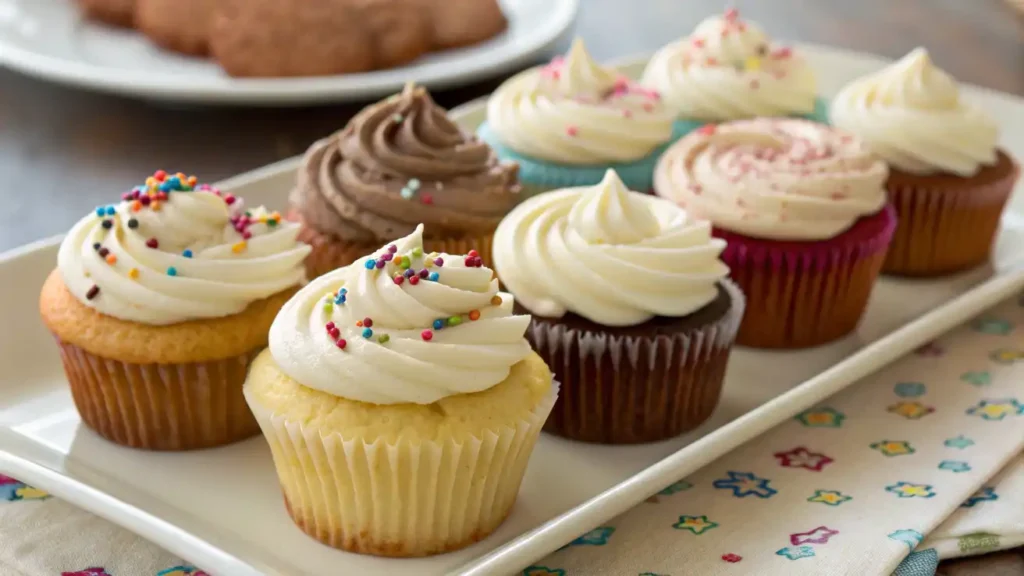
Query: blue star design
745, 484
596, 537
911, 490
993, 326
954, 466
960, 442
977, 378
986, 494
796, 552
909, 389
909, 537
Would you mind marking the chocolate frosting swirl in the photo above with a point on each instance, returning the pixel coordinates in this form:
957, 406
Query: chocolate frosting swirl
398, 163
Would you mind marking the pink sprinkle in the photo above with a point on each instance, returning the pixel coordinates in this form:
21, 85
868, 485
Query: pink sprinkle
648, 107
838, 196
572, 131
246, 234
427, 198
627, 113
711, 61
754, 84
732, 14
725, 32
697, 189
698, 42
621, 83
229, 199
706, 130
782, 53
779, 74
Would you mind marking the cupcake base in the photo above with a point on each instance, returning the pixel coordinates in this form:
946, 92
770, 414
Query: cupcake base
329, 253
947, 223
160, 406
400, 480
803, 294
641, 383
538, 176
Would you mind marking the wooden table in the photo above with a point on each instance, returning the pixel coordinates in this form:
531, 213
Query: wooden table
63, 151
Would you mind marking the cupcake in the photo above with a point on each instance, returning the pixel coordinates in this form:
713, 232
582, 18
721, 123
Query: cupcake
568, 122
803, 209
631, 309
728, 69
397, 163
158, 304
401, 402
948, 179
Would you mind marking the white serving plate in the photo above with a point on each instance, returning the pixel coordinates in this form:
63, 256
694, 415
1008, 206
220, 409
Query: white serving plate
221, 509
49, 39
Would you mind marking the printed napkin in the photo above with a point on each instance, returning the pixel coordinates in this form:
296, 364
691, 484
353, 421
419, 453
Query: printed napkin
848, 487
851, 486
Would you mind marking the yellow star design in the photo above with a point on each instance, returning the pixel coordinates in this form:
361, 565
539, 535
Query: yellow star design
911, 410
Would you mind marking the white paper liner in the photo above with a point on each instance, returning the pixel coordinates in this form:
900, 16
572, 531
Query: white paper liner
405, 499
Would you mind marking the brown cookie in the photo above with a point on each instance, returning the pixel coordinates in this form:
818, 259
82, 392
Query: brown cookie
400, 30
178, 25
463, 22
116, 12
290, 38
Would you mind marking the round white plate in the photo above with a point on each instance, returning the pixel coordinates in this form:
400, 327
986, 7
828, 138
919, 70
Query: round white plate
49, 39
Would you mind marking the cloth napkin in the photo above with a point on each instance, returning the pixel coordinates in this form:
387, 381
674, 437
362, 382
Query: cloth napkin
851, 486
848, 487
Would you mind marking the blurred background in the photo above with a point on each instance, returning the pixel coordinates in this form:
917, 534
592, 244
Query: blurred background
62, 150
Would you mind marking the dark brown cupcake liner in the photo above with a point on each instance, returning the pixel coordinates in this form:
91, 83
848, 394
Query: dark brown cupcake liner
171, 407
627, 389
945, 230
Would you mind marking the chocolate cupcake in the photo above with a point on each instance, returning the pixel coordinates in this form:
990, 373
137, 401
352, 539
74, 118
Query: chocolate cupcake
948, 180
400, 162
631, 309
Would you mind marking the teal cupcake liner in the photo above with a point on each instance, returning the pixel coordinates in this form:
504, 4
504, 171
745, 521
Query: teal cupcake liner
541, 176
683, 127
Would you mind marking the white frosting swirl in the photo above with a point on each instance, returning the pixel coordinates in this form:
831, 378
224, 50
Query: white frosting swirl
729, 70
778, 179
416, 362
574, 111
607, 254
911, 114
181, 256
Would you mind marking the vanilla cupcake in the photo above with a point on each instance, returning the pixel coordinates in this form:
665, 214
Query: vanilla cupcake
568, 122
400, 162
728, 69
948, 178
401, 402
631, 309
158, 304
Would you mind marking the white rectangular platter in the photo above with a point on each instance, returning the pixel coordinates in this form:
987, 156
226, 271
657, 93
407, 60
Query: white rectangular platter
221, 509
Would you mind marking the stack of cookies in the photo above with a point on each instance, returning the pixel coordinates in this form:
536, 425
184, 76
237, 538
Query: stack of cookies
268, 38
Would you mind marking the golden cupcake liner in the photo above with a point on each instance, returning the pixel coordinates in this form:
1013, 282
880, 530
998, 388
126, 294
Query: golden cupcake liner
330, 253
629, 390
948, 230
401, 498
172, 407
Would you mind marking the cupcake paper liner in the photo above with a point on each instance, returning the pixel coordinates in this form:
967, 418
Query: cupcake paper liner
330, 253
538, 176
803, 294
948, 230
408, 498
172, 407
627, 389
682, 127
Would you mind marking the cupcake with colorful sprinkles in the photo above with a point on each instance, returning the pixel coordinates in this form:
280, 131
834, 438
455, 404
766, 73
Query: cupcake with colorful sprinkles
803, 209
728, 69
631, 309
568, 122
158, 304
400, 162
401, 402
